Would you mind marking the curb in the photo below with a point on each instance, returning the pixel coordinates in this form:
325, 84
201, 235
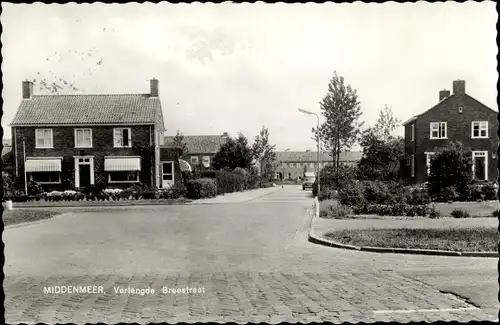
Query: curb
313, 238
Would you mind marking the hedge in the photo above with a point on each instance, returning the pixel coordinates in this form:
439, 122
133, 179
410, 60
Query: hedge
201, 188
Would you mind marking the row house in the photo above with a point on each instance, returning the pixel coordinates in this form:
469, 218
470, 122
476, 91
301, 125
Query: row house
201, 148
456, 117
293, 164
77, 141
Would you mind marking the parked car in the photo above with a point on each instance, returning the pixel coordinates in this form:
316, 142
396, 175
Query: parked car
309, 179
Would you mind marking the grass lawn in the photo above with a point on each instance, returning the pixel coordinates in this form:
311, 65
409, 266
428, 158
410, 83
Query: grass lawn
17, 216
478, 239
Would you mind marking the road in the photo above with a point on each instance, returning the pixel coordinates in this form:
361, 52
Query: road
250, 255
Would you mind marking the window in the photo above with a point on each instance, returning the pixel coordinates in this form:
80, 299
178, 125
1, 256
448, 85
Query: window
83, 138
311, 165
291, 165
412, 166
412, 132
43, 138
479, 129
206, 161
194, 160
122, 137
46, 177
428, 157
123, 177
438, 130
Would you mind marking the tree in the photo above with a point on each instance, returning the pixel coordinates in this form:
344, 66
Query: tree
341, 110
264, 153
381, 159
450, 167
178, 141
387, 122
234, 153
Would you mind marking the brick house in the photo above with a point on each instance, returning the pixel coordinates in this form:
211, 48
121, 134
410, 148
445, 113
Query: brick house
201, 148
456, 117
78, 141
292, 164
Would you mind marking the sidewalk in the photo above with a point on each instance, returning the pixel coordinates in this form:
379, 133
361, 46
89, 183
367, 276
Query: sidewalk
238, 197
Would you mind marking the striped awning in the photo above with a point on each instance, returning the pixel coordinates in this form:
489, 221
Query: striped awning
185, 166
43, 165
122, 164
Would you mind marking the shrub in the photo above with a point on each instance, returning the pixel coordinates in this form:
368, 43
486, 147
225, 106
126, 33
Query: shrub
336, 211
327, 193
451, 166
353, 194
420, 210
240, 171
376, 192
34, 188
178, 190
490, 192
148, 195
227, 182
419, 197
471, 193
496, 213
460, 213
447, 194
201, 188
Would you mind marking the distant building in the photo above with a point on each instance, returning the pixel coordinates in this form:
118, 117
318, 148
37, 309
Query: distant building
201, 148
292, 164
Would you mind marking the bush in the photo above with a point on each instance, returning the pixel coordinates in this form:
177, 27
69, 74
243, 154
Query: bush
148, 195
177, 190
434, 214
201, 188
460, 213
419, 197
490, 192
496, 213
227, 182
471, 193
376, 192
34, 188
327, 193
240, 171
447, 194
451, 166
353, 194
336, 211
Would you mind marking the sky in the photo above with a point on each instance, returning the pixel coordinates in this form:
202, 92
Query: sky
238, 67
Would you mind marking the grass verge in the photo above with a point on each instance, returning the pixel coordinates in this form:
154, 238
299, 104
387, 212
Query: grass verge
18, 216
478, 239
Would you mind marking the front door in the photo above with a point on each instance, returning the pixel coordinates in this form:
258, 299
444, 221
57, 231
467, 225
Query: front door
480, 165
84, 176
167, 171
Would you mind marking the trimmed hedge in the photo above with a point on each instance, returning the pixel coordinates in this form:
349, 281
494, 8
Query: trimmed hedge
201, 188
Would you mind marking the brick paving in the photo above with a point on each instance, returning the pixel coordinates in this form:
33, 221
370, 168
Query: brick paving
252, 259
238, 297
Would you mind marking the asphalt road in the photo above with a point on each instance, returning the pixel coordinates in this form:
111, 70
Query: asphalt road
247, 251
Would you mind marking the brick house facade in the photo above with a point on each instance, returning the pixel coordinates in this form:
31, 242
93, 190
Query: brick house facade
79, 141
456, 117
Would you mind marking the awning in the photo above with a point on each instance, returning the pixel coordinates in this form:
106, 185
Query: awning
185, 166
122, 164
43, 165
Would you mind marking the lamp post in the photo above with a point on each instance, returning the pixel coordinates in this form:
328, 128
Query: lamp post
283, 170
317, 140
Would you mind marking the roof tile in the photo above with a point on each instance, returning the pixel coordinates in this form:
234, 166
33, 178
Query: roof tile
200, 144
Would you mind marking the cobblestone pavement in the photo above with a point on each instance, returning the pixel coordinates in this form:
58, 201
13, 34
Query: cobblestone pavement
251, 262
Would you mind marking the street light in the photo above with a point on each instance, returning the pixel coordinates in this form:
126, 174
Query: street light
317, 139
283, 170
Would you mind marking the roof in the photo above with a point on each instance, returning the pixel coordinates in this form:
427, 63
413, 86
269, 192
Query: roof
414, 118
311, 156
200, 144
88, 109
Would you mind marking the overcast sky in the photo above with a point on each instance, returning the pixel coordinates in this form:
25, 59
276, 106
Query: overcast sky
237, 67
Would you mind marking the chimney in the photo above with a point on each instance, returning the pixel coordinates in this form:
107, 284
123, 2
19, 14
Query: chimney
443, 94
27, 89
459, 87
154, 88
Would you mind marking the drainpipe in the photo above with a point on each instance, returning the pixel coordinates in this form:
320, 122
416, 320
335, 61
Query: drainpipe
24, 169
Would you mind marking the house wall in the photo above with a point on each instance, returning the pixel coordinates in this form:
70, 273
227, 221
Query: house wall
458, 129
64, 146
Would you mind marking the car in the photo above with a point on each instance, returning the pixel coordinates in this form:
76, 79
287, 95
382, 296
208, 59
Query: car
309, 179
